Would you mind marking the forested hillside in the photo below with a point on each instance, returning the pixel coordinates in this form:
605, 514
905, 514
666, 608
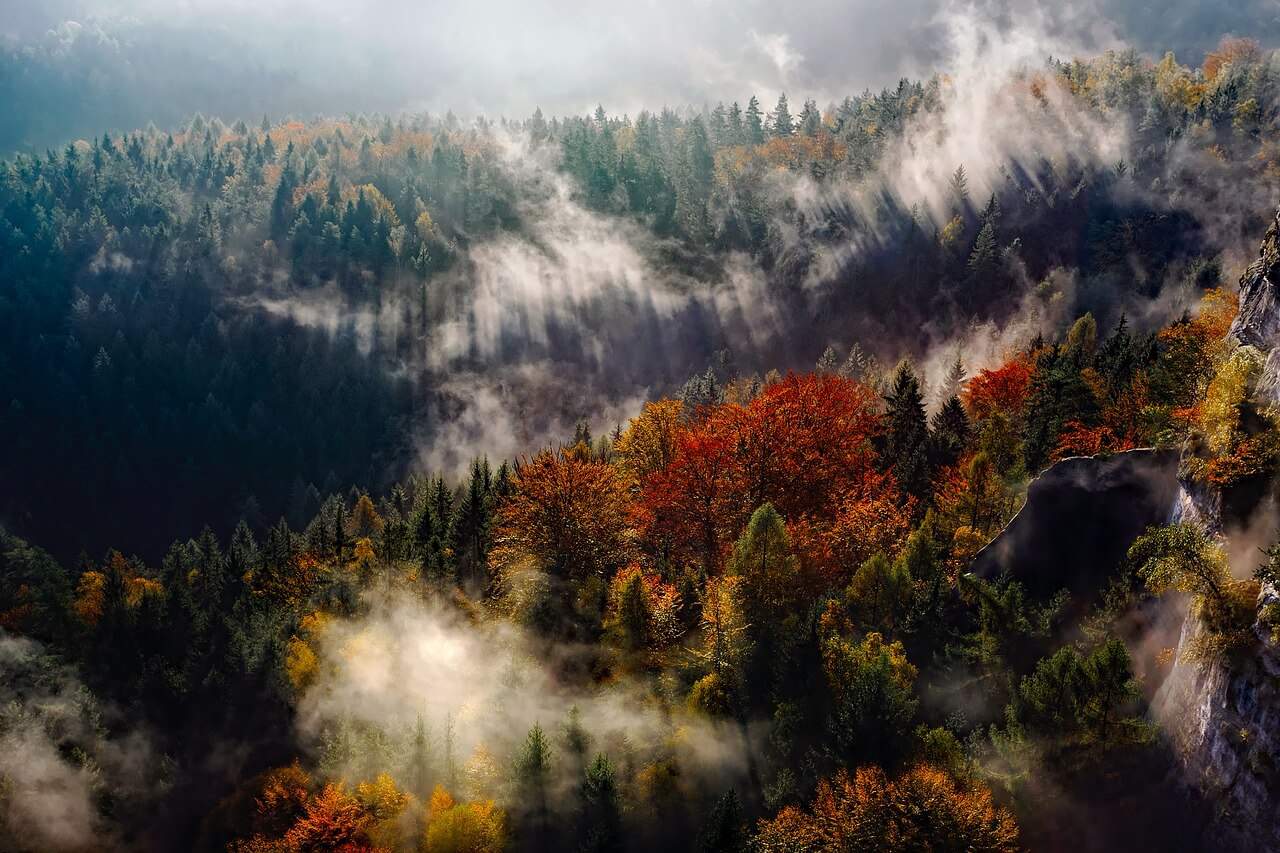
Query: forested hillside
614, 483
302, 299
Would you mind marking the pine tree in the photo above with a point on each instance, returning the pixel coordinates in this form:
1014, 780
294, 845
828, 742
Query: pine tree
450, 760
959, 186
736, 128
953, 382
780, 121
949, 433
725, 830
718, 126
634, 612
810, 119
421, 769
423, 525
1058, 393
828, 362
991, 213
1119, 359
762, 558
879, 592
282, 212
755, 122
532, 777
601, 810
855, 363
982, 260
577, 740
471, 528
905, 444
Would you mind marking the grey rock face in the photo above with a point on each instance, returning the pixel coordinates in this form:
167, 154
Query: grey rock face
1223, 717
1258, 322
1223, 720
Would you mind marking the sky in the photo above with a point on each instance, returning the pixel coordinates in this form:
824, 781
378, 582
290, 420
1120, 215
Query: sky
507, 56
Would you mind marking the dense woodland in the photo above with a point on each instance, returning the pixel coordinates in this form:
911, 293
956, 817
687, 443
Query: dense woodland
770, 562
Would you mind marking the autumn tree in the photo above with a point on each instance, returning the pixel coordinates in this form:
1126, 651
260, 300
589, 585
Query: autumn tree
567, 514
871, 518
649, 442
331, 820
474, 827
364, 521
691, 505
726, 645
924, 809
642, 611
1003, 389
803, 445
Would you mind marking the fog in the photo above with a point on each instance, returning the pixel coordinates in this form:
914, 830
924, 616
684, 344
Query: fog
57, 767
583, 315
238, 58
483, 686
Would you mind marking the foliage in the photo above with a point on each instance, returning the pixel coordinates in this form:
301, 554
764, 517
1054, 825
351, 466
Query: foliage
924, 809
1182, 557
566, 513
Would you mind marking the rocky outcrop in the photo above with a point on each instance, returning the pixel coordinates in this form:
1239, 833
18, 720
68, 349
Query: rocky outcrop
1223, 717
1223, 721
1258, 322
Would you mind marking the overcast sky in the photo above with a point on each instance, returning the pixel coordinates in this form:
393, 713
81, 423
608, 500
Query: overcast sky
507, 56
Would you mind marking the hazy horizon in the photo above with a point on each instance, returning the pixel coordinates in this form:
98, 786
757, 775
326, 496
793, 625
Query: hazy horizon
235, 59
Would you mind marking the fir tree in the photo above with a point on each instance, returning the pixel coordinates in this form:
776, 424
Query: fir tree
905, 444
780, 120
725, 830
949, 433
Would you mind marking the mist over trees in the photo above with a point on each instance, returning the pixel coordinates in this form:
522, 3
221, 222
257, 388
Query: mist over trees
767, 377
297, 297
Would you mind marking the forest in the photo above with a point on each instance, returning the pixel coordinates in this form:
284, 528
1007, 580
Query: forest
607, 482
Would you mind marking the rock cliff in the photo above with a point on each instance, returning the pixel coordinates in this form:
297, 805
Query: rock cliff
1223, 718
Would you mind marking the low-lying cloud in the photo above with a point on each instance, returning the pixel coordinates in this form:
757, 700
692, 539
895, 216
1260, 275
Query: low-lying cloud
493, 681
57, 767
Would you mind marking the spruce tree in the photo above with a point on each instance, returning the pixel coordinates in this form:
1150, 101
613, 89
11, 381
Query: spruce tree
725, 830
532, 778
755, 122
949, 433
470, 535
905, 444
780, 121
601, 809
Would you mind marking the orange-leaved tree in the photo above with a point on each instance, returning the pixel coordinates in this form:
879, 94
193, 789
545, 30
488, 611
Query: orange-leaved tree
568, 514
925, 809
803, 445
